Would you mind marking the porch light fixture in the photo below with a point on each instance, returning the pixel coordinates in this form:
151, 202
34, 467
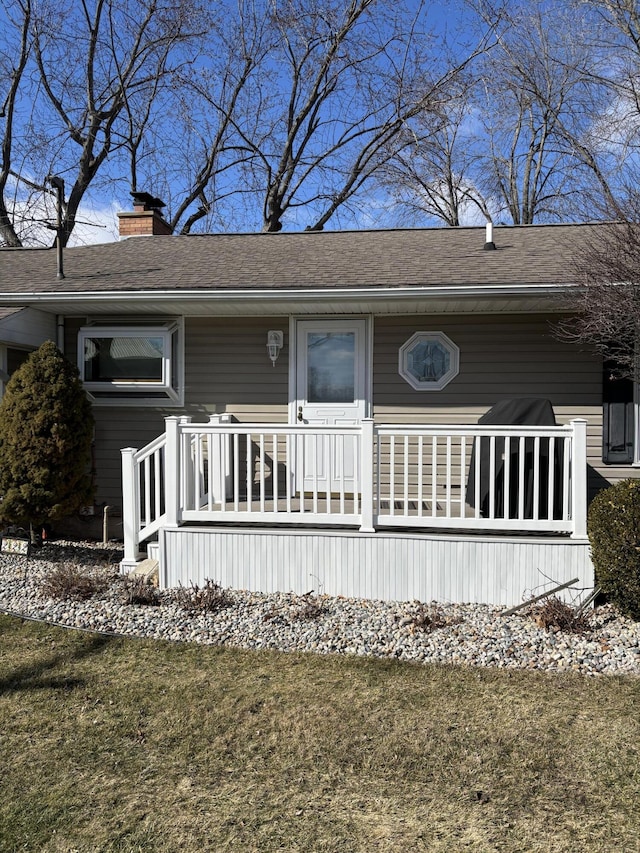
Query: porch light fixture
274, 345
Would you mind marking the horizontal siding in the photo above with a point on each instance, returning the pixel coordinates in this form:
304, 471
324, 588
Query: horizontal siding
228, 371
500, 357
394, 567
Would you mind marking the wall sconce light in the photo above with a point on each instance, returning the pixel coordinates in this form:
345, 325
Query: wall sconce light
274, 345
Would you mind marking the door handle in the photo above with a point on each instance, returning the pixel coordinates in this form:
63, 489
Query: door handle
300, 418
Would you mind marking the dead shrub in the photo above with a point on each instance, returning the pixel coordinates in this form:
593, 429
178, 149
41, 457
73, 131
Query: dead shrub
424, 617
556, 615
311, 607
210, 598
73, 583
140, 590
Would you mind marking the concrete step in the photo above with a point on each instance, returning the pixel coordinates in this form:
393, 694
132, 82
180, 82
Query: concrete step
148, 569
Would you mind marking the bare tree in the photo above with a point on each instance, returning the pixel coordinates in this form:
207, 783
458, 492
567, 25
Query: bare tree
534, 89
434, 174
214, 100
605, 307
108, 54
15, 46
321, 105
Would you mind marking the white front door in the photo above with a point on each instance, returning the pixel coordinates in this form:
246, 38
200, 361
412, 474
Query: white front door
331, 389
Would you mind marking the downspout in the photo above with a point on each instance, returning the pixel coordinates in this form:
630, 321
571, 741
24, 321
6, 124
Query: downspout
60, 332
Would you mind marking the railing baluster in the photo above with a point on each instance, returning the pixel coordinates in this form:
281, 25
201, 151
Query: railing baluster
340, 462
434, 476
274, 472
420, 475
521, 480
248, 473
329, 469
551, 479
316, 467
476, 483
506, 464
212, 475
463, 471
147, 491
406, 475
392, 476
448, 483
261, 469
197, 472
236, 472
567, 449
536, 478
492, 476
157, 482
288, 469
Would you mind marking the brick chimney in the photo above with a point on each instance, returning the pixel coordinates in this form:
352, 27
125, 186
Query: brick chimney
145, 220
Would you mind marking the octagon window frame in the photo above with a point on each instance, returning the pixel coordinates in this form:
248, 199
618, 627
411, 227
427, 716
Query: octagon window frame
429, 337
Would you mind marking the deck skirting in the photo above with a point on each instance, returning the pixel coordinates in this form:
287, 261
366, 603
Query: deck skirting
500, 570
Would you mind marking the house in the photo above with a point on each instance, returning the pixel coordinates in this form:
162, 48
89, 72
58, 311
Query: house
303, 411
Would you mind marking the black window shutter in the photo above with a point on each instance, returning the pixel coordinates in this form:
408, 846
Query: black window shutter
617, 419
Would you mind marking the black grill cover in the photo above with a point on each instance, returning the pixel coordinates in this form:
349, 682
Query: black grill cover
529, 411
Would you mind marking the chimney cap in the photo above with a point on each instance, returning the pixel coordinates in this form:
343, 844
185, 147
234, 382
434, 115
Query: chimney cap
149, 201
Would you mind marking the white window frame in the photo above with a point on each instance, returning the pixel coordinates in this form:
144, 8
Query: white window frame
424, 337
168, 391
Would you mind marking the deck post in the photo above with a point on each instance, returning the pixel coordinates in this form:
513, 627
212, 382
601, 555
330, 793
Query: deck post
579, 478
172, 488
366, 476
130, 510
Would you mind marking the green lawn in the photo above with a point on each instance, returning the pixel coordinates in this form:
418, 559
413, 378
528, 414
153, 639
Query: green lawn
114, 745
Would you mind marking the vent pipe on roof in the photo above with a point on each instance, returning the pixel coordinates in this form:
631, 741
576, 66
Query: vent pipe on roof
488, 240
58, 184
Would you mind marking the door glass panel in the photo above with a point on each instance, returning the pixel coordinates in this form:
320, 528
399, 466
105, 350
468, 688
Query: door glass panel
331, 367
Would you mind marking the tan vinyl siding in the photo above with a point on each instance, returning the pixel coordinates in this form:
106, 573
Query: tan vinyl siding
227, 371
501, 356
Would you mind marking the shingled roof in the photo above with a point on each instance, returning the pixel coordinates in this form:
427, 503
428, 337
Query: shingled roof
404, 258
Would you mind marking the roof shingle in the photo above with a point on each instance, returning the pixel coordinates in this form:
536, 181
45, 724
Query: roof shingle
536, 254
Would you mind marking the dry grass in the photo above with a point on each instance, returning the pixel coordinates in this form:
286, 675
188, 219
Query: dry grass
113, 745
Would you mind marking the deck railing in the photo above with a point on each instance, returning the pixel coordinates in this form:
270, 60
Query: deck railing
483, 478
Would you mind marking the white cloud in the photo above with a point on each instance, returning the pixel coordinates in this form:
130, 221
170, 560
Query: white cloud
96, 223
34, 215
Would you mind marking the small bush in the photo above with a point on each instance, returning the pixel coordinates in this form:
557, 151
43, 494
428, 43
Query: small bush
424, 617
140, 590
73, 583
209, 598
554, 614
614, 533
311, 607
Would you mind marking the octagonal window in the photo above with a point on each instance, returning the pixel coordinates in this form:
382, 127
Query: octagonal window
428, 361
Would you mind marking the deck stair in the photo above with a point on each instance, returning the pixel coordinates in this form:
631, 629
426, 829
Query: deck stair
147, 569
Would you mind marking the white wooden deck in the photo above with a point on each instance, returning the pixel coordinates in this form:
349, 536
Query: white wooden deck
461, 513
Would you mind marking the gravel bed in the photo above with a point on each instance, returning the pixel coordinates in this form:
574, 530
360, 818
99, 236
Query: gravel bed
468, 634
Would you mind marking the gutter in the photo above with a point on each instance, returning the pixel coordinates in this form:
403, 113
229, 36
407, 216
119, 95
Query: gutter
305, 295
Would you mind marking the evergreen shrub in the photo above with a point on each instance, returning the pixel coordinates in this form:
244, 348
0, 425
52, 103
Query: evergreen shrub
614, 534
46, 431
